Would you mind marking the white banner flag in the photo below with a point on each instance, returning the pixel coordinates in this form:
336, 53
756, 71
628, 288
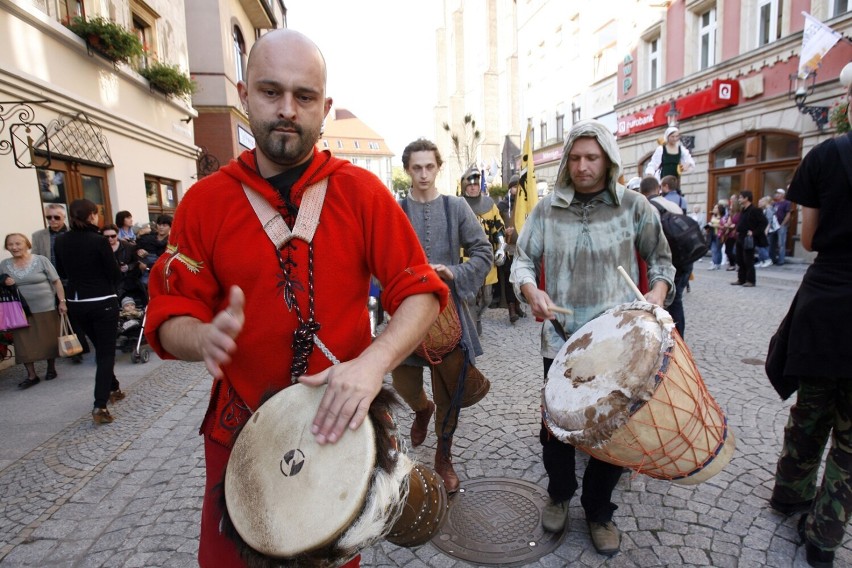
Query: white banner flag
817, 39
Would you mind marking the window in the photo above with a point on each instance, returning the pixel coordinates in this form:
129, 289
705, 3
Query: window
560, 127
707, 39
543, 132
239, 55
69, 9
325, 143
654, 66
768, 21
144, 21
162, 196
357, 145
576, 113
839, 7
340, 144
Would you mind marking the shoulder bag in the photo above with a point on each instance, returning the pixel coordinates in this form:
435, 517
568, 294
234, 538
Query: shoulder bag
12, 313
69, 345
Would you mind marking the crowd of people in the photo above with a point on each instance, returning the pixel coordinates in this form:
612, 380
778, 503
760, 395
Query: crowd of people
82, 269
279, 316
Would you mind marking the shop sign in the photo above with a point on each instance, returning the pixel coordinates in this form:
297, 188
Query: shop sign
721, 94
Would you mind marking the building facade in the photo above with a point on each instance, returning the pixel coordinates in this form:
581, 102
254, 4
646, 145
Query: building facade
220, 38
724, 72
348, 138
478, 90
73, 124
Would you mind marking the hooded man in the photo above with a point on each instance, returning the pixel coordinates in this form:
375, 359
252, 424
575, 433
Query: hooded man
492, 223
577, 236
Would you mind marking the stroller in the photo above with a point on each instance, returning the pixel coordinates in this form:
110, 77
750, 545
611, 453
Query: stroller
131, 326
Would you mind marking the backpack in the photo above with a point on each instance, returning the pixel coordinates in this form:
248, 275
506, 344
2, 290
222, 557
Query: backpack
685, 237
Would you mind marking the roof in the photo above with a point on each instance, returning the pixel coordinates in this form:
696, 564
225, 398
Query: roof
347, 134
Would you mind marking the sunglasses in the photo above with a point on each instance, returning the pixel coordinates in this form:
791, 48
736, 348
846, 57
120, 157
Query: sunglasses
111, 236
53, 217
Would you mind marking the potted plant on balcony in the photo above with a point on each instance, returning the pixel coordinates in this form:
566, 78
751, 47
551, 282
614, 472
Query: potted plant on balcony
109, 39
838, 118
168, 79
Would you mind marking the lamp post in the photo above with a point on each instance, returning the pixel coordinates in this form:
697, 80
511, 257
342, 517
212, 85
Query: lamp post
800, 89
672, 114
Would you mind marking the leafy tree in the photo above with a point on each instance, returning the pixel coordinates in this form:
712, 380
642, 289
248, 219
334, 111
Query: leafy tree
400, 180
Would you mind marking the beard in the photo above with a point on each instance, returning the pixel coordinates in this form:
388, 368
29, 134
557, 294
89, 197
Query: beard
284, 150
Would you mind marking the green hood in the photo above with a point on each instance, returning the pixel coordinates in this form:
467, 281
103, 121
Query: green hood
564, 189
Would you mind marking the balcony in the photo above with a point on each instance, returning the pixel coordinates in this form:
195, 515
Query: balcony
260, 13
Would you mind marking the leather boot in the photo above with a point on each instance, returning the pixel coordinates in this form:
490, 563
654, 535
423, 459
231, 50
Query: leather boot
513, 312
420, 426
444, 465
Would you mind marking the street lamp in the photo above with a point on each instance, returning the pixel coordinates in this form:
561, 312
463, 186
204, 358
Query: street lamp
800, 89
672, 114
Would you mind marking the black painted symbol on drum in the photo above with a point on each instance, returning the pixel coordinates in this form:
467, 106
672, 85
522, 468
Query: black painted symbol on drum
292, 462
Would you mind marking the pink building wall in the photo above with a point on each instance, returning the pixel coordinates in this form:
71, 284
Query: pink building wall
730, 30
674, 45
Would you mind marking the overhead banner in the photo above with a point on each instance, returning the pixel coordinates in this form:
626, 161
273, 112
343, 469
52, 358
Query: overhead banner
817, 39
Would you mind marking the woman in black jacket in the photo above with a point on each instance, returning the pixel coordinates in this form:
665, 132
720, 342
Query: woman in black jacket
85, 259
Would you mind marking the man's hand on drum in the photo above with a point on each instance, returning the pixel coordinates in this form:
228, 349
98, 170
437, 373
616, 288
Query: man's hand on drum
352, 386
657, 294
539, 302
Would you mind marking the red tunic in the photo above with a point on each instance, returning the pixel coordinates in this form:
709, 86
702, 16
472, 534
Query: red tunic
217, 242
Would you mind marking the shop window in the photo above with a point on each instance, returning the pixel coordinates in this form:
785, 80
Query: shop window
760, 162
65, 181
779, 147
731, 155
161, 194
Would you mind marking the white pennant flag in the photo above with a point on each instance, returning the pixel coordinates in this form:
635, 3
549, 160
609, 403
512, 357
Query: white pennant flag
817, 39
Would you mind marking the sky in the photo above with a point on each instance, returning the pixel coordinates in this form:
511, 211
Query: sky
381, 61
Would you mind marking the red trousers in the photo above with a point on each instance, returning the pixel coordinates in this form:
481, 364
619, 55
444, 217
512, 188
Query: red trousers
215, 550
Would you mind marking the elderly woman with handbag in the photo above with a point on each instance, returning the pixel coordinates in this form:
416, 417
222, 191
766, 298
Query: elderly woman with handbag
39, 285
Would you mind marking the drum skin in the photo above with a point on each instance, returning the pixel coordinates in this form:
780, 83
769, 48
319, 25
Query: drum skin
625, 389
277, 473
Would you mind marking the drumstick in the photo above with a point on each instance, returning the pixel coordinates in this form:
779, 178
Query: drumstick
559, 310
629, 281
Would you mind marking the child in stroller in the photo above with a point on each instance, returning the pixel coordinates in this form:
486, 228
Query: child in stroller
131, 322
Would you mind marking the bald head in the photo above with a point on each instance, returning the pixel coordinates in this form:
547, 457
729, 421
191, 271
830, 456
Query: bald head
284, 97
284, 42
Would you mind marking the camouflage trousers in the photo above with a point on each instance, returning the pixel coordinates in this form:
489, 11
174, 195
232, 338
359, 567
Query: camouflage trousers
823, 406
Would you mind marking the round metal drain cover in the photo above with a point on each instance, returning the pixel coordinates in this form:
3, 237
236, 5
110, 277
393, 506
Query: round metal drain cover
497, 521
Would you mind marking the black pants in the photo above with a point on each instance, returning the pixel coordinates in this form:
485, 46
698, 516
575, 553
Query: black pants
503, 284
599, 479
745, 263
99, 321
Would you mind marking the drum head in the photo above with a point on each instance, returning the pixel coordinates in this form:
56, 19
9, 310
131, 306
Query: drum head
605, 367
285, 493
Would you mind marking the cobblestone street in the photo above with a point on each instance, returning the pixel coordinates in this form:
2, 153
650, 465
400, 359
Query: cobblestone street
129, 494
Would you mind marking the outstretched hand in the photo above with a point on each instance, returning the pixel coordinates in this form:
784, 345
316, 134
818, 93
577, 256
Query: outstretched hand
218, 338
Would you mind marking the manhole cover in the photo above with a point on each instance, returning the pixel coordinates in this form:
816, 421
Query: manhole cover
497, 521
751, 361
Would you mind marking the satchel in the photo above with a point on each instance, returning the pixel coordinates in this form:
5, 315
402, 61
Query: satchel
444, 335
748, 242
69, 345
776, 357
12, 313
